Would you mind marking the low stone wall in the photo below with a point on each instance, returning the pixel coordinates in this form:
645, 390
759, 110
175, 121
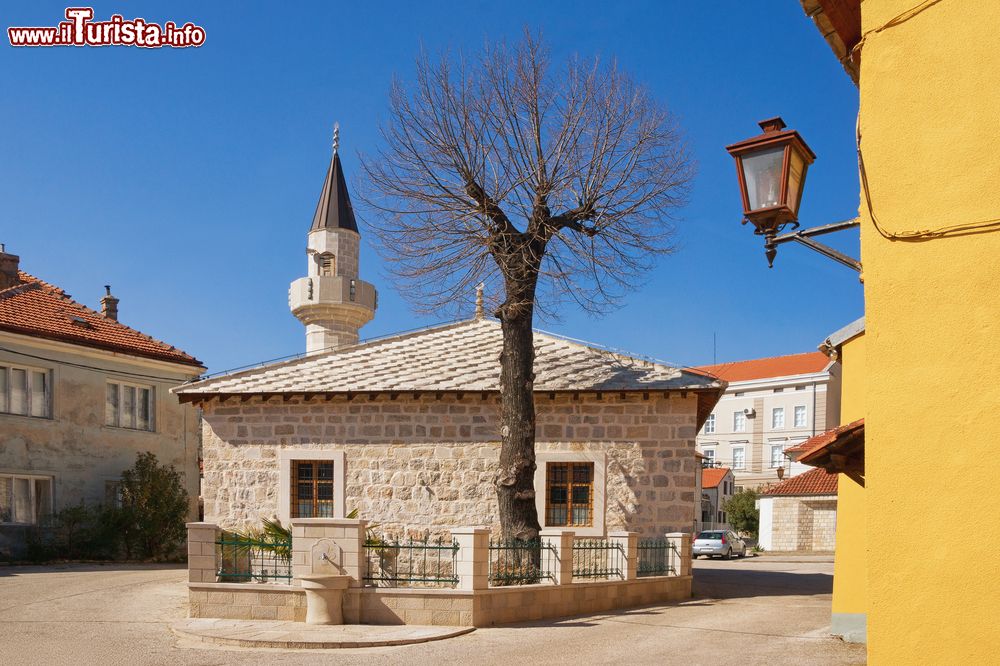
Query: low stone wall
253, 601
457, 608
472, 603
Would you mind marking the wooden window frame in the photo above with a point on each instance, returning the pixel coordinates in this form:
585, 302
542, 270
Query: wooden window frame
287, 482
570, 485
316, 482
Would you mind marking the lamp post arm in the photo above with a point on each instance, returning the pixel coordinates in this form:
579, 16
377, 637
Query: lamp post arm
804, 237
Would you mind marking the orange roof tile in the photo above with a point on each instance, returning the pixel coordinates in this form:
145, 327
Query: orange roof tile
818, 442
762, 368
39, 309
813, 482
711, 477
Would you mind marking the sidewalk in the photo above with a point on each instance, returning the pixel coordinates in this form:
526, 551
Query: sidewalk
796, 556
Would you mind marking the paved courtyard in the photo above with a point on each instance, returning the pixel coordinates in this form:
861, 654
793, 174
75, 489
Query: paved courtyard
754, 611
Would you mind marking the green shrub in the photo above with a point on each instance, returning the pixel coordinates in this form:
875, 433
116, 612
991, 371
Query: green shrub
742, 511
154, 508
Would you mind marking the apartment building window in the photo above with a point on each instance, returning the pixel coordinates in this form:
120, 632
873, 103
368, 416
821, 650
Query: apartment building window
709, 457
569, 494
777, 455
778, 417
710, 424
25, 498
800, 416
739, 422
25, 391
129, 406
739, 457
800, 387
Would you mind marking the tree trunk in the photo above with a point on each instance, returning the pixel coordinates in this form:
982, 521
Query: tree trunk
515, 481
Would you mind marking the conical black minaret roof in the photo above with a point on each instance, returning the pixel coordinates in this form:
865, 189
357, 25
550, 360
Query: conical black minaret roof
334, 210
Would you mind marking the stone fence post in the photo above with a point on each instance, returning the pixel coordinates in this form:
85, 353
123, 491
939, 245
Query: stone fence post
333, 546
625, 544
472, 566
680, 553
560, 565
202, 552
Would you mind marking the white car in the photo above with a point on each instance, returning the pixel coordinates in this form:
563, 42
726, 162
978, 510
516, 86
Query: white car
723, 543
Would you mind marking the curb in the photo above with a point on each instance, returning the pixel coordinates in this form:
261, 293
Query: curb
183, 629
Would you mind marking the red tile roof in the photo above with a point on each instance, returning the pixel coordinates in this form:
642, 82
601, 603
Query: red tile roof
762, 368
817, 443
711, 477
813, 482
39, 309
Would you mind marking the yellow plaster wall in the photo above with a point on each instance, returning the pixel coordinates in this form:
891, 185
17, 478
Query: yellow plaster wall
930, 94
850, 569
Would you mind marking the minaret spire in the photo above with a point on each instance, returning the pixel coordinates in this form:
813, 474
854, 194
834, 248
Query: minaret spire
332, 300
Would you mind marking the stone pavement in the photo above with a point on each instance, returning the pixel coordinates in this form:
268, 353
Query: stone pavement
298, 635
754, 610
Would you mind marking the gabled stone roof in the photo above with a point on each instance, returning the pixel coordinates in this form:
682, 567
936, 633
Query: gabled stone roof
38, 309
462, 356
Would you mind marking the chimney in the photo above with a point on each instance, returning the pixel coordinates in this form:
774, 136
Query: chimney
109, 304
8, 269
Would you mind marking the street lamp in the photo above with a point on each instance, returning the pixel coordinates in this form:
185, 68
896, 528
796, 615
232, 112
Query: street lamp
771, 168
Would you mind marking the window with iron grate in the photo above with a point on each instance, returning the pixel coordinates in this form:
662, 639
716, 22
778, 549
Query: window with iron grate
569, 494
312, 489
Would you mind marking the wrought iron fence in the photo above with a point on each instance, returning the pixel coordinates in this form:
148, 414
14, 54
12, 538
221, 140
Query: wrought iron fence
657, 557
516, 562
244, 560
598, 558
410, 562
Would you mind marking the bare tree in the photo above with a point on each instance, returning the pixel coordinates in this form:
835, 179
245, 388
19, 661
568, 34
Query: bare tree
545, 185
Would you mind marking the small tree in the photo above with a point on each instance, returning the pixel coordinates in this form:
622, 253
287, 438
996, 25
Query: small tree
154, 509
742, 511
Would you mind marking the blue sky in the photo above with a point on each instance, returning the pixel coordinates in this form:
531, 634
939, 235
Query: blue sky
187, 179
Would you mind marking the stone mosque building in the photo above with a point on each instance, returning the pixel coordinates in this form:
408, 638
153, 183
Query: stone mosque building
404, 429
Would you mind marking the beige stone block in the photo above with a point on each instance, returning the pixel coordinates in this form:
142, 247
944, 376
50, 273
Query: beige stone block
201, 534
214, 597
194, 609
300, 614
439, 603
411, 602
275, 598
264, 612
446, 618
419, 616
201, 562
286, 613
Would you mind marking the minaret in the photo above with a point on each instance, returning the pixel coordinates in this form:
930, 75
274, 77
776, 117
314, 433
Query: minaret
332, 301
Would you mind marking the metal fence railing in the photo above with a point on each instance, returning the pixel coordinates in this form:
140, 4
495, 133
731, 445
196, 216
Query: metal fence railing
598, 558
410, 562
517, 562
244, 560
657, 557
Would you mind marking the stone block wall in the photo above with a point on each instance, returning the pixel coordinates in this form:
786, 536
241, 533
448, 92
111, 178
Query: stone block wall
804, 523
419, 462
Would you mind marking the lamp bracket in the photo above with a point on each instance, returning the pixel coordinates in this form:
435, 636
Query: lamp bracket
804, 237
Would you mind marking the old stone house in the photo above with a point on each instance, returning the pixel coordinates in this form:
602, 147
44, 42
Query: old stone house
404, 429
80, 395
800, 513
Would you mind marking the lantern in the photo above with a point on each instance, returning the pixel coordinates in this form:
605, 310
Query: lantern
772, 172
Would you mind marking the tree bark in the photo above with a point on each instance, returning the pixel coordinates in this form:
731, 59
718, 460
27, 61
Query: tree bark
515, 481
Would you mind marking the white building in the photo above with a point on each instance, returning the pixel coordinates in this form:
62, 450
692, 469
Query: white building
770, 405
80, 395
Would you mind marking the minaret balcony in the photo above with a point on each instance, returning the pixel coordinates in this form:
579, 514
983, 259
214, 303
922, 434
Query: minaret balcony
322, 292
